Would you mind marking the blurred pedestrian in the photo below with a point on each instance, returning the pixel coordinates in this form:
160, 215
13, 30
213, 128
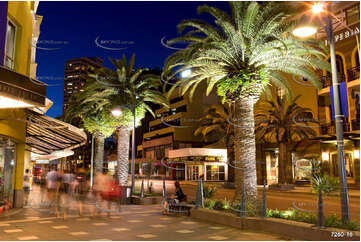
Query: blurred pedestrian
102, 187
52, 185
26, 186
81, 188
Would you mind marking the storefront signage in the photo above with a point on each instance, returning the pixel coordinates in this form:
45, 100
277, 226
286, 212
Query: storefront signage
195, 158
346, 34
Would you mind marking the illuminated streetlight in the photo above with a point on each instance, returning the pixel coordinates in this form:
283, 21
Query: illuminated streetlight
317, 8
304, 31
186, 73
116, 112
306, 20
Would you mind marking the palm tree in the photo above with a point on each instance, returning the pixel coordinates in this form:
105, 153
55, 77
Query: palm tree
240, 56
216, 128
130, 90
287, 125
94, 119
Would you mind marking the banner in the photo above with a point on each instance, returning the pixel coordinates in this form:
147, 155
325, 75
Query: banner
343, 100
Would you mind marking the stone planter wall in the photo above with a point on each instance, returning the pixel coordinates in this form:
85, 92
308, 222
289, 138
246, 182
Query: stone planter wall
288, 228
146, 200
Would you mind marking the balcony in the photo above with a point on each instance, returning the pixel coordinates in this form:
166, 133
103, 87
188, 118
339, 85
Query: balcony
353, 73
327, 80
330, 128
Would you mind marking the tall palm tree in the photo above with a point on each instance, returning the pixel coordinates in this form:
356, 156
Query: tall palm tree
239, 56
287, 125
94, 119
216, 128
130, 90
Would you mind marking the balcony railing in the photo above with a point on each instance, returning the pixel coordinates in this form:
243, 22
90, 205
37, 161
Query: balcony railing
353, 73
330, 128
327, 80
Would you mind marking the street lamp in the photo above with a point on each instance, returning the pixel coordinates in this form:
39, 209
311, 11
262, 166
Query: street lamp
317, 9
186, 73
117, 112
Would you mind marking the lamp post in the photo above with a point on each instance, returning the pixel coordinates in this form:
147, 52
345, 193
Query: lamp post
317, 9
117, 112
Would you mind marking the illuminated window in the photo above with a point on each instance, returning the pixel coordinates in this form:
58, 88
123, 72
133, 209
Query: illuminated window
215, 173
353, 15
70, 84
10, 45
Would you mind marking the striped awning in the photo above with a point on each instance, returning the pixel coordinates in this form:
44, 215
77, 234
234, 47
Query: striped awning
45, 134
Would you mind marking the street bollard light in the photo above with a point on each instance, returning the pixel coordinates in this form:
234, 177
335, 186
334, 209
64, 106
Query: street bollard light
142, 189
199, 195
164, 192
320, 220
318, 9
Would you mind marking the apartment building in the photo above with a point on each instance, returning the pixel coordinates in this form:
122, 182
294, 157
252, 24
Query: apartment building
75, 74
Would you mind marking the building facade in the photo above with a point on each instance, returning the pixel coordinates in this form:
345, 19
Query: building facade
76, 73
173, 128
24, 130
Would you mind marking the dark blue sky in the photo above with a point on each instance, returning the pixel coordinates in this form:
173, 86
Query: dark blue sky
69, 30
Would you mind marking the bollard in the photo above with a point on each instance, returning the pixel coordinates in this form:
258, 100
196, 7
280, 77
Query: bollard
142, 189
243, 202
199, 195
320, 221
264, 204
164, 189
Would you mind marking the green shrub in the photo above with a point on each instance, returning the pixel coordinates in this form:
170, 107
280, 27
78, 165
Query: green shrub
273, 213
334, 221
208, 203
209, 191
328, 184
218, 205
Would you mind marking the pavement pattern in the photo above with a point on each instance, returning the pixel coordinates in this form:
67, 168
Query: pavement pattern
133, 222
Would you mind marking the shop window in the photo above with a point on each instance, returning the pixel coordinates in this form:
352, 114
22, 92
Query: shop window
215, 173
7, 168
353, 15
10, 45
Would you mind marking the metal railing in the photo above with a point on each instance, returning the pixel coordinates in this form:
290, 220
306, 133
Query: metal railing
327, 80
330, 128
353, 73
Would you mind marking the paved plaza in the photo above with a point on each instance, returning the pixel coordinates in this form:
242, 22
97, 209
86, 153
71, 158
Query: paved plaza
134, 222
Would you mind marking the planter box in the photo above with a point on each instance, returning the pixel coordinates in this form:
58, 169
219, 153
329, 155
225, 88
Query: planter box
281, 187
146, 200
287, 228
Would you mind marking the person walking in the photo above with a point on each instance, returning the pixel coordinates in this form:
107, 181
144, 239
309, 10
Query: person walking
26, 186
81, 188
52, 186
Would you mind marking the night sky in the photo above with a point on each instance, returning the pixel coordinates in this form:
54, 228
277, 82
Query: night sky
69, 30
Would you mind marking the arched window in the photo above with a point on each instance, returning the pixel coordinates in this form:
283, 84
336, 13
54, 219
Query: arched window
340, 68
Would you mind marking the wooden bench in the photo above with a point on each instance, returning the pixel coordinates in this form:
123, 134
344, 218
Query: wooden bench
179, 208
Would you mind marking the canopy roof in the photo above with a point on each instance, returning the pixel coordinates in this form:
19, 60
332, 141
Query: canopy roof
45, 134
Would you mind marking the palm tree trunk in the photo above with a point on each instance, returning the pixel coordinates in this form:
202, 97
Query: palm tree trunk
282, 163
123, 156
99, 152
245, 149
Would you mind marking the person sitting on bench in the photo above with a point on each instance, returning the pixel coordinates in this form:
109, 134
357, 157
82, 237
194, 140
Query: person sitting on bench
179, 197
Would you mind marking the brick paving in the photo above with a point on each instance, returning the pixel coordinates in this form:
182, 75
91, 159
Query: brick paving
129, 224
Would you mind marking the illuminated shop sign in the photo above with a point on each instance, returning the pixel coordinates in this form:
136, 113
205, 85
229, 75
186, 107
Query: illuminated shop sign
195, 158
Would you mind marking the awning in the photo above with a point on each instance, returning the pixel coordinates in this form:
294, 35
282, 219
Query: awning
45, 134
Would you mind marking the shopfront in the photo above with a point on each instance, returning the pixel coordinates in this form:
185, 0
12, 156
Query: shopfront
7, 169
191, 164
